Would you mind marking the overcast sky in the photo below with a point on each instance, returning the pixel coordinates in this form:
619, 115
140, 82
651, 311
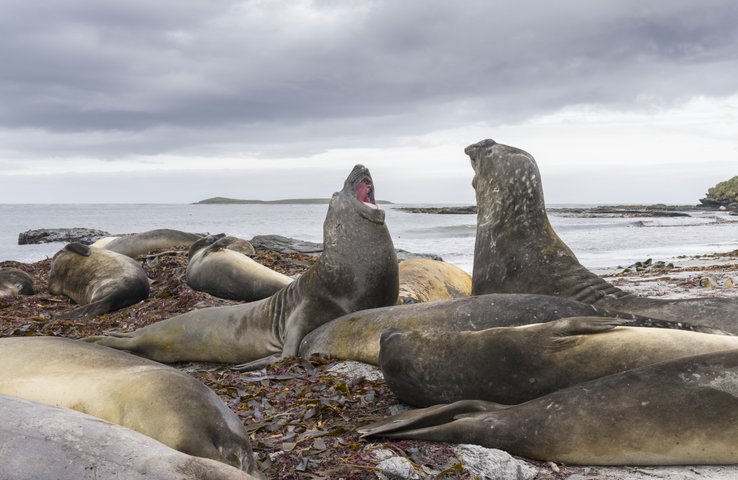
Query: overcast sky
179, 100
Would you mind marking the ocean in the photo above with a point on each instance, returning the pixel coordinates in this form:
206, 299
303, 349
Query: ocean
599, 243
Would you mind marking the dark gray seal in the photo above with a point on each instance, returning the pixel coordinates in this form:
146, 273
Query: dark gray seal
154, 399
221, 267
139, 244
356, 336
518, 251
512, 365
681, 412
14, 281
100, 280
39, 441
357, 270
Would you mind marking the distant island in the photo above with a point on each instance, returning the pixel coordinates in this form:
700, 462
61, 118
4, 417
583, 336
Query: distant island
288, 201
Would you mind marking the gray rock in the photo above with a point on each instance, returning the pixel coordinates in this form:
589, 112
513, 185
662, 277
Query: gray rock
48, 235
397, 468
355, 369
493, 464
280, 244
404, 255
687, 472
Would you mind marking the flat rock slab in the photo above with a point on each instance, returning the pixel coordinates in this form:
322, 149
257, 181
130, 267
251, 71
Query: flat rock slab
49, 235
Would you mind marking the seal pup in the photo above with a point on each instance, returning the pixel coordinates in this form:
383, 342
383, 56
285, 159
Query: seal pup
512, 365
154, 399
40, 441
681, 412
428, 280
220, 266
357, 270
138, 244
356, 336
518, 251
14, 281
100, 280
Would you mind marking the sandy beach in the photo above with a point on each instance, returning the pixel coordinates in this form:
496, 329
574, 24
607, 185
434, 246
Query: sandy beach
302, 414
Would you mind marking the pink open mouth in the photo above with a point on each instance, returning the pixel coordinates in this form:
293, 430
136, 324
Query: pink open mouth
365, 193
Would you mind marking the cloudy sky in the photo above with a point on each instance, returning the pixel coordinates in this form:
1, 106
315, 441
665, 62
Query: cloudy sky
176, 101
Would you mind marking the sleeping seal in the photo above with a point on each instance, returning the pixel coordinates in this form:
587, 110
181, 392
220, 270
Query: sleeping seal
154, 399
39, 441
14, 281
219, 265
100, 280
357, 270
139, 244
427, 280
518, 251
681, 412
512, 365
356, 336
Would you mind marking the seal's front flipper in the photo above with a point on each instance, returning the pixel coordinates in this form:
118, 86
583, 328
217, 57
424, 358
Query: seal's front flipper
413, 420
90, 310
257, 364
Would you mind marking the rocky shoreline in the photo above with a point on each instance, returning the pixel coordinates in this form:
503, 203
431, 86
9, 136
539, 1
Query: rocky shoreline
302, 414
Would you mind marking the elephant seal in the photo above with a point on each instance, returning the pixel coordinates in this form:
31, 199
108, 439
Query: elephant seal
100, 280
357, 270
154, 399
512, 365
40, 441
139, 244
14, 281
221, 267
681, 412
356, 336
518, 251
427, 280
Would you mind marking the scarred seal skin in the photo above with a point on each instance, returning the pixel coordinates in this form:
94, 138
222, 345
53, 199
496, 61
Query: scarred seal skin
356, 336
518, 251
428, 280
39, 441
220, 266
153, 399
138, 244
14, 281
681, 412
357, 270
512, 365
100, 280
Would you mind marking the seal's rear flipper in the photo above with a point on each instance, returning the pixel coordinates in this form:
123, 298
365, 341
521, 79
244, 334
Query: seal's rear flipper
257, 364
405, 423
90, 310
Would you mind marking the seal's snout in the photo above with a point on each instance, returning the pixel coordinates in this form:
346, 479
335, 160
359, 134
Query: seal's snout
473, 149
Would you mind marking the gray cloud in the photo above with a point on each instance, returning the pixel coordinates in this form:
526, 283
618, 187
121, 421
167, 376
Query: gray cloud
276, 78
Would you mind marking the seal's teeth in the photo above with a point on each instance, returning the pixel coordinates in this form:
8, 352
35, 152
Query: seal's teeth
371, 205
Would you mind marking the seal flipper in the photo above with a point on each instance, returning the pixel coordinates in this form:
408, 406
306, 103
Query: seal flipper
563, 332
79, 249
90, 310
257, 364
422, 418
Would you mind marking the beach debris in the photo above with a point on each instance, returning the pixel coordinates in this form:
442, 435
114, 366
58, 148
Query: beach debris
648, 264
708, 281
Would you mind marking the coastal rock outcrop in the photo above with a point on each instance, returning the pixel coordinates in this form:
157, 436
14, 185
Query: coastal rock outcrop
48, 235
723, 194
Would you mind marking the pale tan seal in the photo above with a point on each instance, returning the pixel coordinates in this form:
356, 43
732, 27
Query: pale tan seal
427, 280
518, 251
512, 365
357, 270
39, 441
221, 267
154, 399
99, 280
681, 412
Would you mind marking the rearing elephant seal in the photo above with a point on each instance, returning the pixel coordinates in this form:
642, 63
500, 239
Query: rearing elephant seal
14, 281
221, 267
39, 441
154, 399
356, 336
681, 412
100, 280
512, 365
357, 270
517, 250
